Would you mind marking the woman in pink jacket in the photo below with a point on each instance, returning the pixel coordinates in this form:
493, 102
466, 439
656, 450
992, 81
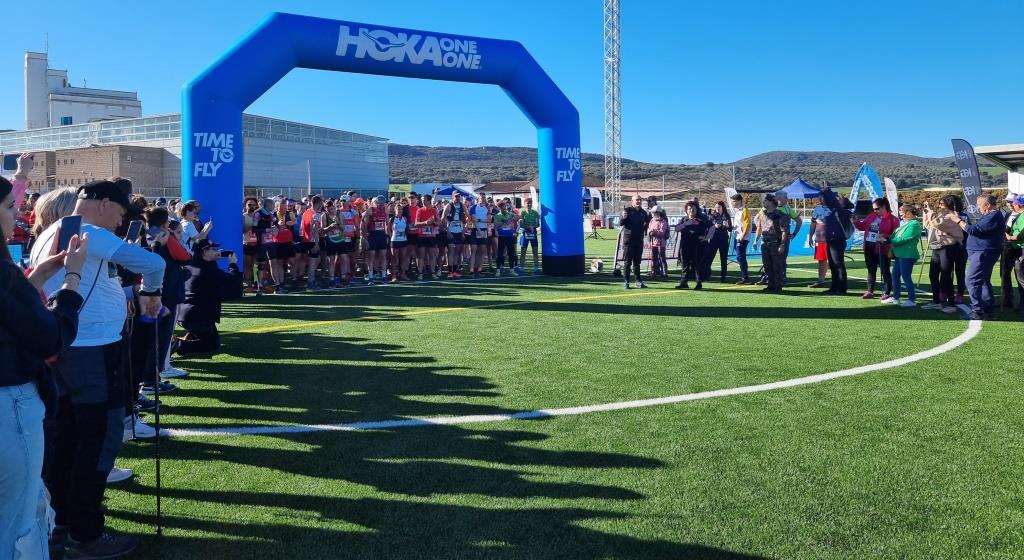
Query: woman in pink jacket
657, 231
877, 227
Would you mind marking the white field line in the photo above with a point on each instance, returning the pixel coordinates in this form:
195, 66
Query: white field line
973, 328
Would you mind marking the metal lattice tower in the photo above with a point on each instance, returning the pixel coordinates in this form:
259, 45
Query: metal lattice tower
612, 108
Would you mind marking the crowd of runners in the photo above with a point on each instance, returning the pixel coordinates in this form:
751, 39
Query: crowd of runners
317, 242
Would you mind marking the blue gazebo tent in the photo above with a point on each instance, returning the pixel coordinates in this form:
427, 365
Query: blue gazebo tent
800, 189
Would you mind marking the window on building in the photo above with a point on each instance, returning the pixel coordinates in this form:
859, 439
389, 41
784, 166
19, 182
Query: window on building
128, 157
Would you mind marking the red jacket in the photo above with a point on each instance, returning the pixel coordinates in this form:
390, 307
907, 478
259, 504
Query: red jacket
888, 225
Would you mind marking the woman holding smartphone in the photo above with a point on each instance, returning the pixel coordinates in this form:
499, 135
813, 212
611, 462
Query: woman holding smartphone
30, 333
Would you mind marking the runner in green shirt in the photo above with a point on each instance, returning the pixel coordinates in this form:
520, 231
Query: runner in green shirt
529, 225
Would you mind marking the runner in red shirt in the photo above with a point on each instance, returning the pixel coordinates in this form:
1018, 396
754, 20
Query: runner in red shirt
426, 252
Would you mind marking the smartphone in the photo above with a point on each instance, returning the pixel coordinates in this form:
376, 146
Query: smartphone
226, 254
70, 226
134, 229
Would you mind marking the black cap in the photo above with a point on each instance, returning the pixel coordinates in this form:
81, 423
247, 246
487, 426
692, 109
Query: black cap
100, 190
204, 244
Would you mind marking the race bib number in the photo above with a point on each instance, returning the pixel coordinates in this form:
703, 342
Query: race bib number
871, 237
250, 238
481, 233
455, 227
426, 231
530, 235
266, 238
506, 230
378, 225
349, 228
398, 236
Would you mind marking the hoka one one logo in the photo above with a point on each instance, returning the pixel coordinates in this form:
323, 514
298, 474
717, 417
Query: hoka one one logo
383, 45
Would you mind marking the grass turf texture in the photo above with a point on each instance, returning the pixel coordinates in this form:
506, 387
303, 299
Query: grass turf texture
920, 461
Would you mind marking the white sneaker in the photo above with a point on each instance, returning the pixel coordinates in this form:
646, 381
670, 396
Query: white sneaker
119, 475
173, 373
931, 306
142, 430
889, 301
908, 304
949, 309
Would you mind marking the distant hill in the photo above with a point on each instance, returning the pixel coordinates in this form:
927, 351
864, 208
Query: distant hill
876, 159
413, 164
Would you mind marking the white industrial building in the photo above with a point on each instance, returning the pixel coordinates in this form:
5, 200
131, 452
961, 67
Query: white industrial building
279, 156
51, 100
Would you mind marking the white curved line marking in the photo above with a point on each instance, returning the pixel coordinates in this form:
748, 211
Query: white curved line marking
973, 328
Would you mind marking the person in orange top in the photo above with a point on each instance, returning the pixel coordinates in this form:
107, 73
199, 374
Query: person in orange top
426, 251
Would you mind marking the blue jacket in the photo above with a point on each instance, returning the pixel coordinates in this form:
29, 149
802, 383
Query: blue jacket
987, 233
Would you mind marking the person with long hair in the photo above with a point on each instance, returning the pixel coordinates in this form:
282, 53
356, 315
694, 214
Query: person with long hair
878, 227
53, 206
718, 243
946, 243
30, 333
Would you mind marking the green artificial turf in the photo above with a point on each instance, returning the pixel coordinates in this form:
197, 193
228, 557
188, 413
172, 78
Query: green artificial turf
919, 461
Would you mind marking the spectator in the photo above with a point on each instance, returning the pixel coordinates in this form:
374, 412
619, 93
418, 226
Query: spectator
89, 422
718, 243
53, 206
657, 232
816, 240
529, 222
878, 227
1015, 237
634, 222
1011, 253
903, 243
984, 245
838, 228
946, 242
795, 220
743, 227
165, 243
773, 229
29, 334
205, 289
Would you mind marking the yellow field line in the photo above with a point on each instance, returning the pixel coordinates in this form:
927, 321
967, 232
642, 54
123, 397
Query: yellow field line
307, 324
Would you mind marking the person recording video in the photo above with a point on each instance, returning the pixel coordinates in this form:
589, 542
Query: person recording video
205, 289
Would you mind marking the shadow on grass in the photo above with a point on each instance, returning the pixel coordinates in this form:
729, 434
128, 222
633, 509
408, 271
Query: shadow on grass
417, 473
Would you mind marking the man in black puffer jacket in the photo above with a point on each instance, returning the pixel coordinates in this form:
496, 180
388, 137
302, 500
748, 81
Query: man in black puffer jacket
205, 289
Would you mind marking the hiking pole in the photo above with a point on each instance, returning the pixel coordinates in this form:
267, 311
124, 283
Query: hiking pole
920, 269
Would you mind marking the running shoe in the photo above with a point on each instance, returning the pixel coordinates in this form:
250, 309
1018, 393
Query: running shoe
106, 546
822, 285
867, 295
908, 304
145, 404
640, 284
164, 386
119, 475
137, 429
890, 301
931, 306
949, 309
173, 373
626, 285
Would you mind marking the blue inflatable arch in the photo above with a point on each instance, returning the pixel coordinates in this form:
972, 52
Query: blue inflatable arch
213, 102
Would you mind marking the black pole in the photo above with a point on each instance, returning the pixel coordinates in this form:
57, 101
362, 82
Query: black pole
156, 395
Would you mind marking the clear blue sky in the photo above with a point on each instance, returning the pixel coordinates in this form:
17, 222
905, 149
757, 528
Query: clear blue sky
702, 80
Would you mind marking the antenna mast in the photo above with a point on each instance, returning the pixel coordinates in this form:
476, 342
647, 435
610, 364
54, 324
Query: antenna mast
612, 107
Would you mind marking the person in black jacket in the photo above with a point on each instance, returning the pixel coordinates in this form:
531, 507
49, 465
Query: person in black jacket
838, 228
634, 222
693, 238
205, 289
30, 333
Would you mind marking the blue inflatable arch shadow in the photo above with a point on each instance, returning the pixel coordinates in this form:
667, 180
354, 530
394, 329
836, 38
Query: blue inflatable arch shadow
213, 102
